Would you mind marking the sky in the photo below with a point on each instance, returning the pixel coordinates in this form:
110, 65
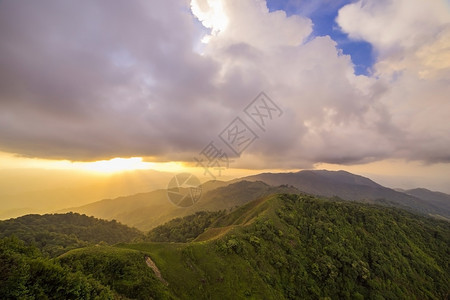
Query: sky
323, 15
124, 85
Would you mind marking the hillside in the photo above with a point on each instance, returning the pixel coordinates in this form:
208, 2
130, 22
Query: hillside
184, 229
124, 270
286, 247
438, 199
26, 274
28, 191
55, 234
148, 210
355, 188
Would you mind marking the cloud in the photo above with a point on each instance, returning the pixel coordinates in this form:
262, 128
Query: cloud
413, 40
413, 35
394, 25
99, 79
327, 107
103, 79
250, 22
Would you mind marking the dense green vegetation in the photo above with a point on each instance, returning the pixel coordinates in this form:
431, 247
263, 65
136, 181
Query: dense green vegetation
148, 210
55, 234
26, 274
184, 229
123, 270
282, 246
353, 187
312, 248
302, 247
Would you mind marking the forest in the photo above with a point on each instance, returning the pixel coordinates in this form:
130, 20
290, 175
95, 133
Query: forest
282, 246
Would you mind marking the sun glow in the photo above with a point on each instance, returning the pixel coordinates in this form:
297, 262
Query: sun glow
119, 164
114, 165
211, 13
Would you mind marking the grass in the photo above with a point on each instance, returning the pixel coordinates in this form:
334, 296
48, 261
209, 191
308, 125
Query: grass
282, 246
197, 271
214, 233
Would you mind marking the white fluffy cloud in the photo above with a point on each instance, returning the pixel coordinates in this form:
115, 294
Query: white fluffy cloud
405, 33
90, 81
413, 42
388, 24
234, 22
328, 109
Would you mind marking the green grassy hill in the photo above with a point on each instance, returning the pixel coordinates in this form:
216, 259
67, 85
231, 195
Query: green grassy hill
26, 274
123, 270
285, 247
353, 187
55, 234
148, 210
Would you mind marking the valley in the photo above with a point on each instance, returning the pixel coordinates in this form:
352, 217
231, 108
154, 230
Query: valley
284, 244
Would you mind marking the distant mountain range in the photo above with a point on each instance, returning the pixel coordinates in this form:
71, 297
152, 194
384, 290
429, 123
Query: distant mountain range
281, 246
353, 187
36, 191
148, 210
436, 198
55, 234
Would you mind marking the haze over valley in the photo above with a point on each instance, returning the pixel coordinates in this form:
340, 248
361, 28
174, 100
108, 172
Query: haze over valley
225, 149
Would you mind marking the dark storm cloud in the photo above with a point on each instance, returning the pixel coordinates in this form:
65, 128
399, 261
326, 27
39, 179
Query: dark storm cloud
91, 80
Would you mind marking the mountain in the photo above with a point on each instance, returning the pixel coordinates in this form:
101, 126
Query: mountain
26, 274
54, 234
148, 210
355, 188
283, 247
438, 199
36, 191
29, 245
186, 229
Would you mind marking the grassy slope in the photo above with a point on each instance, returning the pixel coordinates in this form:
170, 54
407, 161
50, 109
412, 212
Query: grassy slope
123, 270
55, 234
355, 188
289, 247
195, 271
26, 274
148, 210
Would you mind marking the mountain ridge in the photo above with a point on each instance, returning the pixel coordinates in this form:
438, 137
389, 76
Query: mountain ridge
148, 210
352, 187
280, 246
287, 246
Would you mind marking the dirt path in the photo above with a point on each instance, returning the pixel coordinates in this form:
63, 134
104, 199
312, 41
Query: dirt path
155, 269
